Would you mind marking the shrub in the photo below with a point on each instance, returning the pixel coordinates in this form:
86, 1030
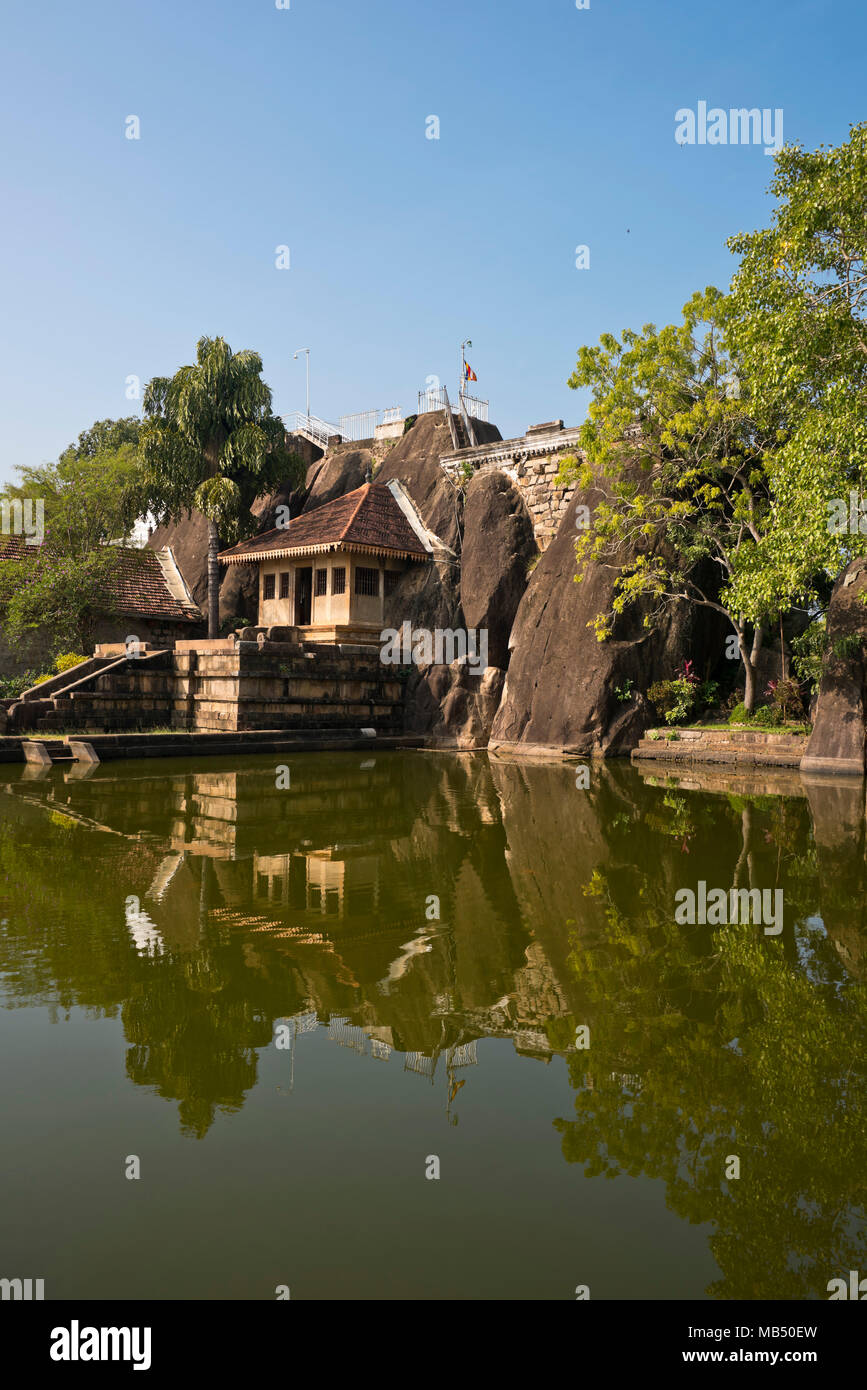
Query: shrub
739, 714
766, 716
785, 697
13, 686
674, 699
66, 661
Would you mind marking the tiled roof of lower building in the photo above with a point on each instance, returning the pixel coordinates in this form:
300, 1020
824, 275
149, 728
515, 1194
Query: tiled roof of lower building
140, 582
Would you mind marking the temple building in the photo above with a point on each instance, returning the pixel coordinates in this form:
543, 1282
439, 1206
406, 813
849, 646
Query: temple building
329, 572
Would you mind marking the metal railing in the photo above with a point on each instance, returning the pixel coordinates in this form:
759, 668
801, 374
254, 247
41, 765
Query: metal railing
364, 423
436, 398
478, 409
311, 427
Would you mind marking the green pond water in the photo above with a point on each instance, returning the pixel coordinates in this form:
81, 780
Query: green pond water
424, 934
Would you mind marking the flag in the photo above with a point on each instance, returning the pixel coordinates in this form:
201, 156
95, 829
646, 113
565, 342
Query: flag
469, 374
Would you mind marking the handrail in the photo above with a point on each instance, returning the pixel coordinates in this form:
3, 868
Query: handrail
471, 434
451, 419
320, 431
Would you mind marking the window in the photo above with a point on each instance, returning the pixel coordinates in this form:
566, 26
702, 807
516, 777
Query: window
391, 578
367, 582
321, 583
338, 581
284, 584
268, 587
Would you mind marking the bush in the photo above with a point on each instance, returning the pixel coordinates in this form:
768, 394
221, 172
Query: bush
785, 698
766, 717
739, 714
66, 661
683, 696
11, 687
674, 699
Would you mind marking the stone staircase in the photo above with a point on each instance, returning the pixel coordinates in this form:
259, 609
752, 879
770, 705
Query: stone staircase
244, 687
760, 748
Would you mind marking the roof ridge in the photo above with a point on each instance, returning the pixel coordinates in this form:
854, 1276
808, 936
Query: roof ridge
364, 490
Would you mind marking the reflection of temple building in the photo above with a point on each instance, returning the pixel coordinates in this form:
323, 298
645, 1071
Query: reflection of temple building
318, 894
334, 882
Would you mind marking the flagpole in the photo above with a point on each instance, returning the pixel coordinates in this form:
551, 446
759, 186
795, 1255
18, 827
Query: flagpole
468, 342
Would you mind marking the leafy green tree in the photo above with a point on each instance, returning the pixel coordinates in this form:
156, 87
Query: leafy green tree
672, 429
799, 325
65, 584
85, 493
210, 441
66, 594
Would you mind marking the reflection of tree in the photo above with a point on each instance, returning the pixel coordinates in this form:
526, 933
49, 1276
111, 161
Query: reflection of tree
709, 1042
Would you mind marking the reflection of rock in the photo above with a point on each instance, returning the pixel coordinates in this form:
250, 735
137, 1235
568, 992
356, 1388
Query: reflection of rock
561, 685
837, 810
839, 739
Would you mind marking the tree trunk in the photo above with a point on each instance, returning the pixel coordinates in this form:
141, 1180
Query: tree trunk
213, 581
750, 667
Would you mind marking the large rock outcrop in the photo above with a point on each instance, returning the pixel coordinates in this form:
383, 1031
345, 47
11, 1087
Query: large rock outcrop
498, 547
343, 469
561, 687
838, 742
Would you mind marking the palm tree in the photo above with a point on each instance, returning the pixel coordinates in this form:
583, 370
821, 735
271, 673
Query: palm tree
209, 440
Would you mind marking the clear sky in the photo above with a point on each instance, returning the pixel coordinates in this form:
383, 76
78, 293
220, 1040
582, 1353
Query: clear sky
306, 127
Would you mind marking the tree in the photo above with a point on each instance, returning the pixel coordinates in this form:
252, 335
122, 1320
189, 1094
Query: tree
672, 427
799, 325
85, 493
210, 441
66, 583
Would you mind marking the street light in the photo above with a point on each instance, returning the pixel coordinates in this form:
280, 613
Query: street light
307, 350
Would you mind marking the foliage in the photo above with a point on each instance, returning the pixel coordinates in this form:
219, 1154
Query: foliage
209, 440
85, 493
683, 696
67, 660
799, 325
684, 457
624, 691
64, 593
785, 697
11, 687
808, 651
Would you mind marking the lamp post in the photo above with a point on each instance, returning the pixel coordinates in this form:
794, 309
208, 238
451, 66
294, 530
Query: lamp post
307, 351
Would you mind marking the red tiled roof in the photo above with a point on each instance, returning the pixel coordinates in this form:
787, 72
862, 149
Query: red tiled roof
367, 519
138, 584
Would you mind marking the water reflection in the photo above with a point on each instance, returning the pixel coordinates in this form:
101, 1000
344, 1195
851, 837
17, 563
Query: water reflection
413, 905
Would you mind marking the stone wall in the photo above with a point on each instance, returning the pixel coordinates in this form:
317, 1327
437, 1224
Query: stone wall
531, 463
257, 686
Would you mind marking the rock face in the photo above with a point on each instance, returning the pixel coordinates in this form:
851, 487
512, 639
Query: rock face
497, 550
429, 595
560, 688
454, 707
343, 469
838, 742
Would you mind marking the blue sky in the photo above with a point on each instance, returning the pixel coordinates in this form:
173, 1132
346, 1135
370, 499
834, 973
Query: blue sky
305, 127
